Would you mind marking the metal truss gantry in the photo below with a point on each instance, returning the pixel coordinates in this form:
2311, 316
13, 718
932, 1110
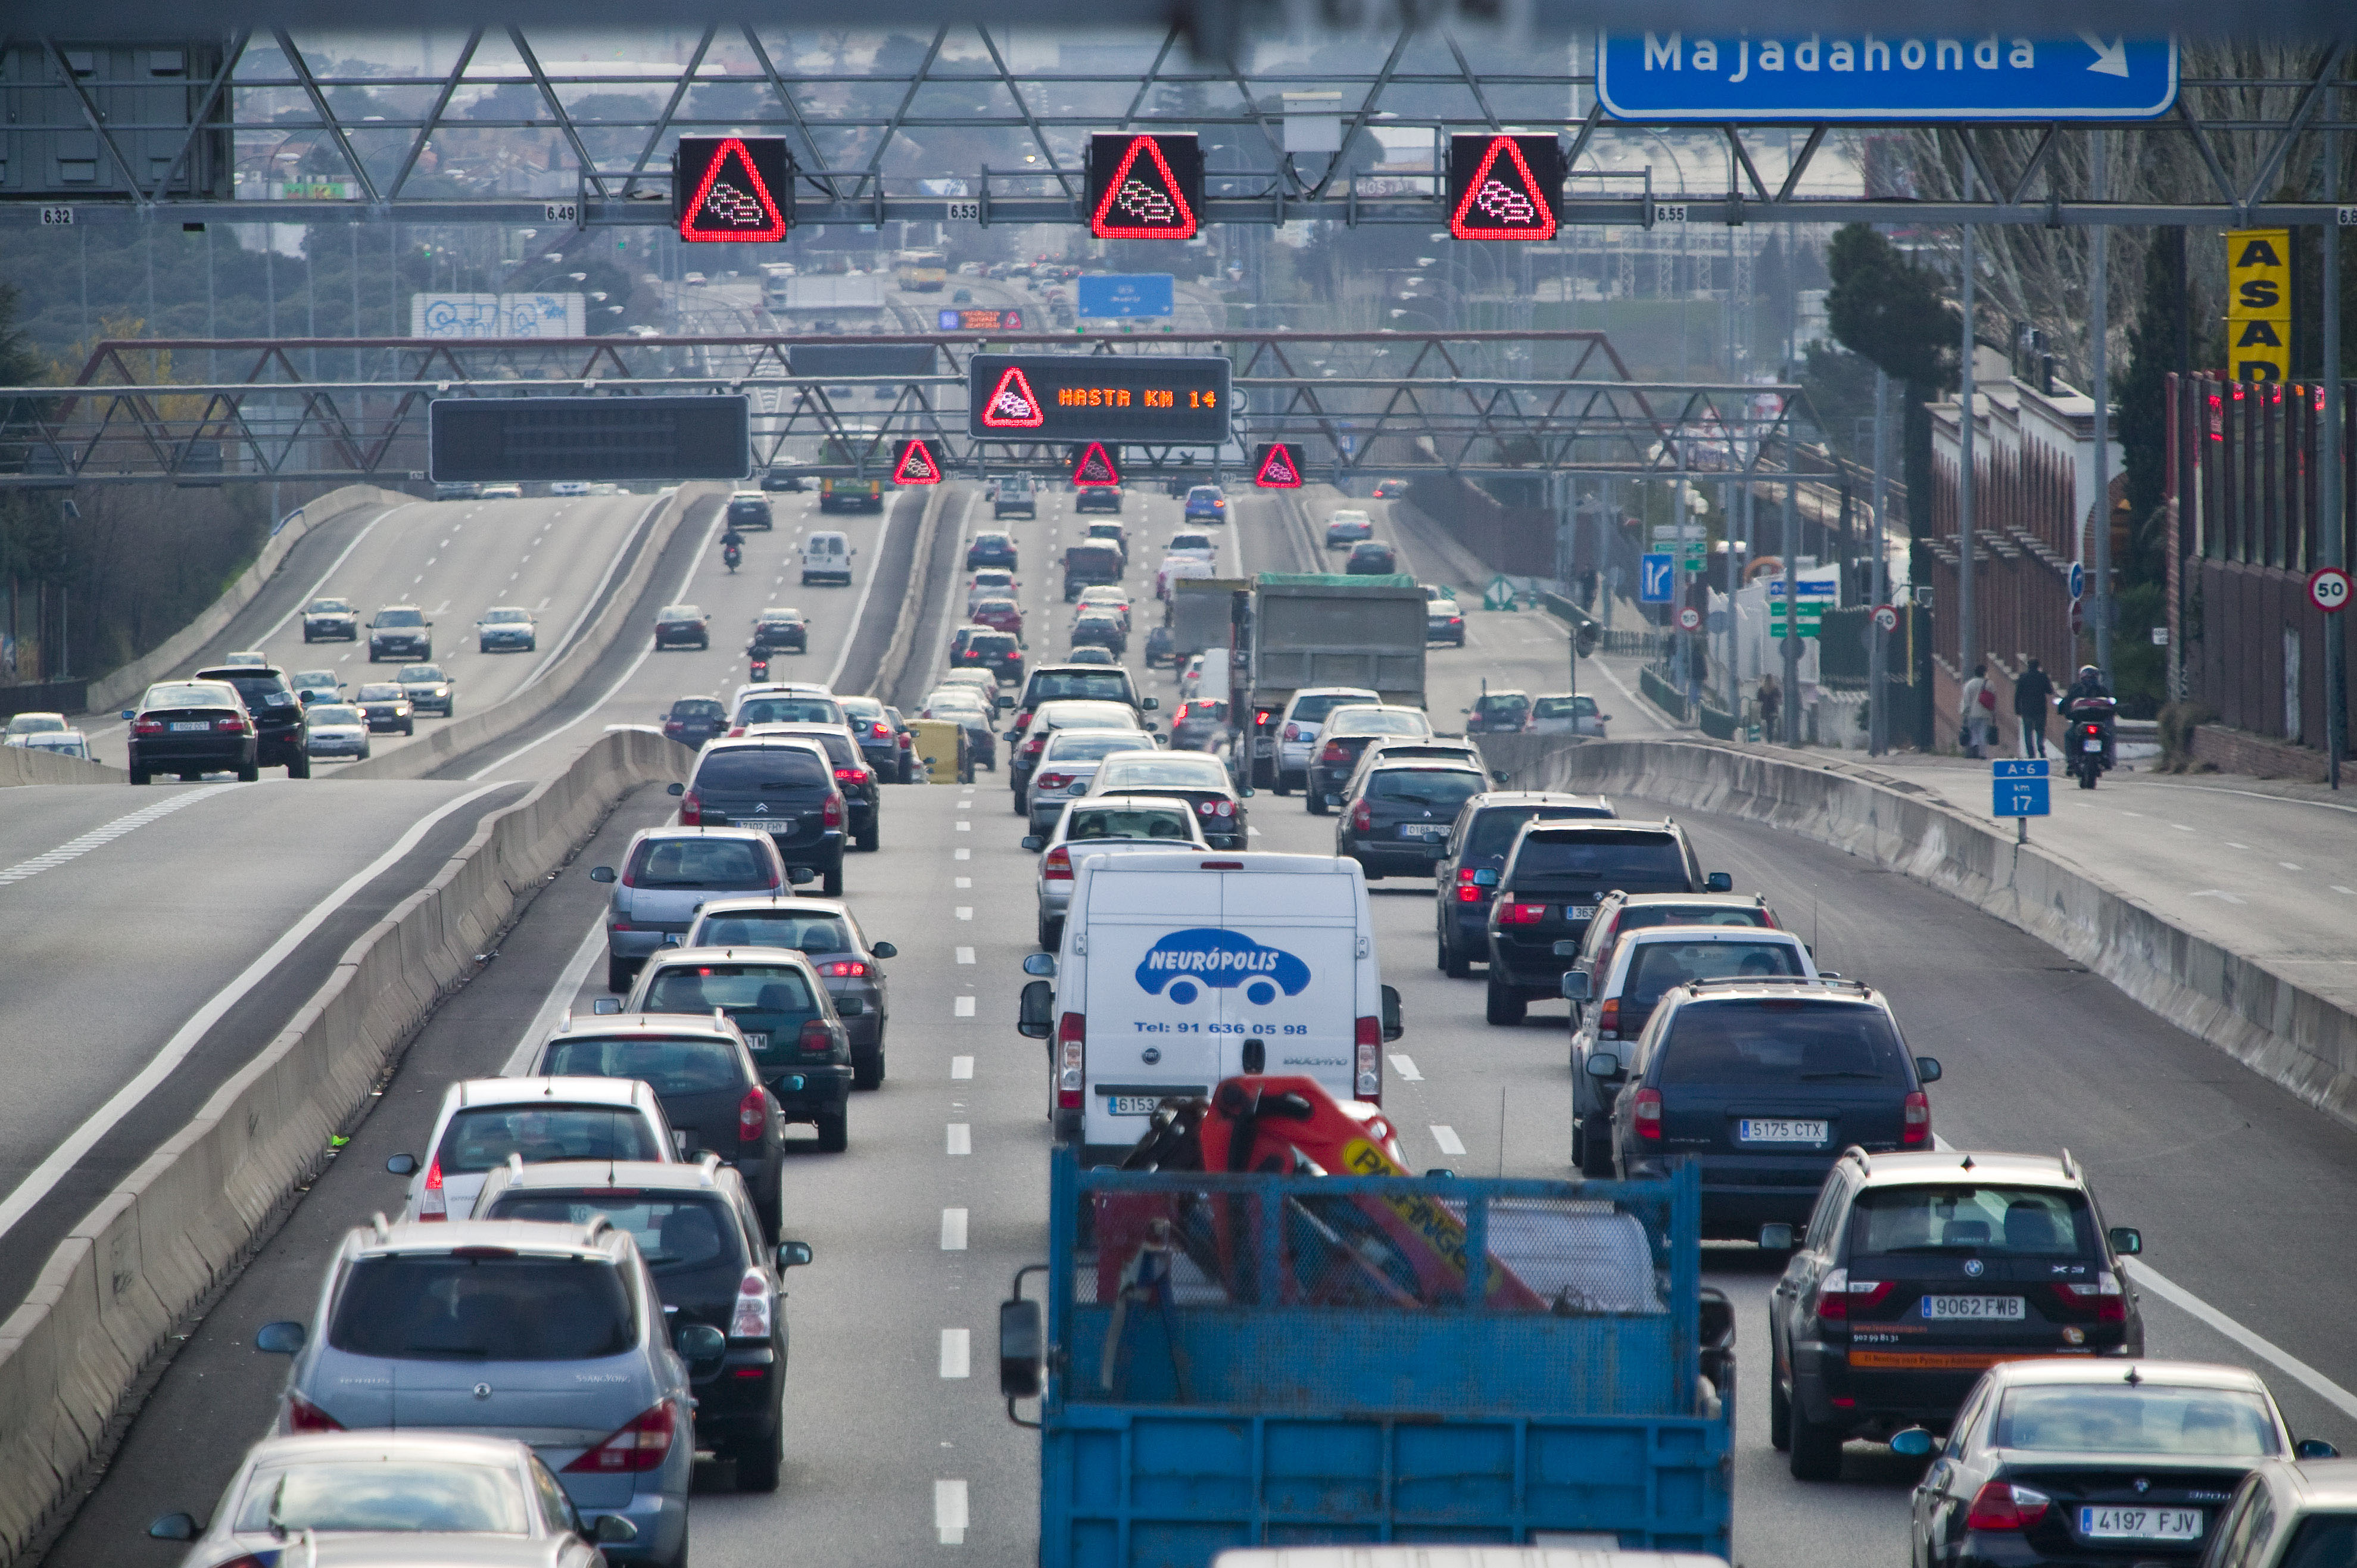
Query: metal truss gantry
943, 124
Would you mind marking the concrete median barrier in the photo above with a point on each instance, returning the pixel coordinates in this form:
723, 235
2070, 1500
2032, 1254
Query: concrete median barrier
25, 765
2270, 1024
178, 1226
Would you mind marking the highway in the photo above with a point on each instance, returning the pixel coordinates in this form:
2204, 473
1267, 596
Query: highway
897, 1444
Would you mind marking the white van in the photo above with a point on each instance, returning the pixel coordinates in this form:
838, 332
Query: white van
1179, 969
826, 558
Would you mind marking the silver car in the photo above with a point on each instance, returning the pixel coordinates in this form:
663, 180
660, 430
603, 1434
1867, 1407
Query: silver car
553, 1335
666, 873
1105, 827
1565, 714
336, 729
429, 689
410, 1495
484, 1120
1069, 763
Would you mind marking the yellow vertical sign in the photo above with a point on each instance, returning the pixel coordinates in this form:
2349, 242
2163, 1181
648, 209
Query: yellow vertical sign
2258, 303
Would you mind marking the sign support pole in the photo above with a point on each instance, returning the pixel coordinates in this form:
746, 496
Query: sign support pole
1792, 708
1878, 640
2333, 535
1968, 642
2099, 334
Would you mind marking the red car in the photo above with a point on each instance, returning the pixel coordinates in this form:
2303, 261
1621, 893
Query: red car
999, 615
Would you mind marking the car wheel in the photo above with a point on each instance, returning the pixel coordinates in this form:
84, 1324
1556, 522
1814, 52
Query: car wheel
1022, 807
830, 880
868, 842
139, 776
1504, 1006
299, 767
409, 727
834, 1132
1281, 786
1780, 1412
867, 1072
1051, 934
1816, 1447
1453, 963
757, 1463
1315, 800
619, 972
1594, 1156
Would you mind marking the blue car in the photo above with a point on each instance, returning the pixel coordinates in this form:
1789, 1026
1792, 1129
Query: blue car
1207, 503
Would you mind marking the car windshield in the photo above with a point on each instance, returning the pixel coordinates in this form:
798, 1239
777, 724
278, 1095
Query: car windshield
1656, 967
380, 692
1612, 859
391, 1495
1086, 748
994, 642
701, 861
190, 694
1088, 716
675, 1234
666, 1064
681, 612
420, 672
788, 711
1508, 703
496, 618
749, 987
329, 608
1379, 721
1637, 916
315, 680
1127, 823
36, 724
838, 747
1564, 707
1749, 1042
1986, 1221
1056, 685
995, 607
327, 715
399, 618
1150, 772
1313, 710
503, 1307
695, 708
2142, 1418
818, 933
484, 1136
1443, 789
1191, 542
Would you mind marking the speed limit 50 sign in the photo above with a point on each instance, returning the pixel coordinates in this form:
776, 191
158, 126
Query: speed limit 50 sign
2328, 588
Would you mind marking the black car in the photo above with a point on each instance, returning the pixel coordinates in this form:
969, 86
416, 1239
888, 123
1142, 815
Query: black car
785, 788
692, 720
1199, 780
1095, 630
790, 1023
980, 647
1098, 497
1498, 713
783, 480
853, 775
1370, 558
881, 741
1398, 825
324, 619
1159, 648
1547, 892
1348, 732
992, 549
781, 630
386, 708
281, 728
750, 510
683, 625
714, 1261
400, 631
191, 728
2066, 1460
1918, 1272
1759, 1081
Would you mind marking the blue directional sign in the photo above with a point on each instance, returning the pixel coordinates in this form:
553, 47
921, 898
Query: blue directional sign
1659, 575
1900, 76
1114, 294
2078, 580
2018, 789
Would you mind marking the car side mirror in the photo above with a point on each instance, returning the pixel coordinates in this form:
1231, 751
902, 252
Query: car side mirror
1034, 843
175, 1527
1393, 1027
1042, 965
281, 1339
1927, 1069
884, 949
128, 714
850, 1007
1718, 882
2127, 1241
793, 1255
2306, 1448
1776, 1238
1036, 1012
1006, 703
601, 874
1022, 1349
613, 1529
1498, 776
798, 875
1149, 704
401, 1165
606, 1006
1577, 985
1914, 1443
1603, 1064
699, 1344
674, 789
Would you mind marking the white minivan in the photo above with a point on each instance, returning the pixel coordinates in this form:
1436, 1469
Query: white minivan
1179, 969
826, 558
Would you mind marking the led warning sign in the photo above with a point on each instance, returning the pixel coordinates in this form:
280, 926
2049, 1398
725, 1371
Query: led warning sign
732, 189
1012, 404
1137, 399
917, 466
1144, 188
1505, 187
1095, 467
1276, 468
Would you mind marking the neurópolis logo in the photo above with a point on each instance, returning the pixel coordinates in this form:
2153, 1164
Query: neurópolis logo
1185, 961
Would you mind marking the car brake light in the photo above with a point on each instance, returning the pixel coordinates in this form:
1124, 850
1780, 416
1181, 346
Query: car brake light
642, 1445
1054, 781
1917, 1131
1058, 866
854, 776
1333, 754
232, 726
691, 809
1840, 1296
735, 731
2001, 1505
1363, 816
1367, 1082
879, 728
1520, 914
1468, 893
1608, 1017
1646, 1109
752, 1115
751, 1319
842, 969
831, 815
432, 1203
815, 1036
1071, 1049
2103, 1296
904, 743
302, 1415
147, 726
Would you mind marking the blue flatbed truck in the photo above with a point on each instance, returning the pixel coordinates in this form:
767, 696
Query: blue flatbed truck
1232, 1360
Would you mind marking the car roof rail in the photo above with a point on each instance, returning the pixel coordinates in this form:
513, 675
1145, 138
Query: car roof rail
1864, 1161
2070, 1165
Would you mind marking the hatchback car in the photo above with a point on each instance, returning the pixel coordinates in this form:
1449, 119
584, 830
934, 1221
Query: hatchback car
70, 742
1618, 914
507, 629
1068, 764
1548, 889
692, 720
1915, 1273
1107, 597
667, 872
990, 583
1467, 872
1371, 558
1207, 503
386, 708
1390, 489
1099, 629
783, 703
1098, 497
191, 728
855, 777
1397, 824
1199, 780
279, 725
1342, 736
400, 631
338, 732
1029, 737
1196, 725
553, 1335
1347, 526
790, 1023
1444, 622
317, 686
703, 1076
1284, 743
1112, 825
1566, 713
991, 548
715, 1259
883, 740
331, 620
683, 625
782, 629
824, 931
1012, 495
484, 1120
983, 648
1387, 748
2059, 1459
750, 509
429, 689
999, 615
1193, 541
1498, 713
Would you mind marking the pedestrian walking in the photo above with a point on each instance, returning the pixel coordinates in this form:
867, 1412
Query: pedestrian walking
2031, 692
1976, 713
1771, 702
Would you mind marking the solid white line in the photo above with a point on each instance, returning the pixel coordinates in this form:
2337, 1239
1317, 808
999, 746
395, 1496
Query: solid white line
106, 833
281, 623
1404, 1064
2176, 1295
949, 1512
859, 609
957, 1353
44, 1177
965, 955
559, 999
961, 1138
962, 1008
556, 651
961, 1067
952, 1229
1446, 1136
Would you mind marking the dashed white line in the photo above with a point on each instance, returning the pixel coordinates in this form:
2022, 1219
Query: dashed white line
963, 911
2287, 866
963, 1008
957, 1353
964, 882
1446, 1136
964, 854
960, 1138
1404, 1064
949, 1512
965, 805
952, 1229
963, 828
107, 833
965, 955
2180, 827
961, 1067
2351, 891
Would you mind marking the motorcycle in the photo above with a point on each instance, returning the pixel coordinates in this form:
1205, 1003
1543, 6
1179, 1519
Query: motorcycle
2089, 749
760, 664
732, 555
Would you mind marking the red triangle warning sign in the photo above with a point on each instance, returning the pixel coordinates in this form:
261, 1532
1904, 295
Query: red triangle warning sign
1095, 467
1142, 201
732, 201
1502, 200
1013, 404
1278, 469
917, 466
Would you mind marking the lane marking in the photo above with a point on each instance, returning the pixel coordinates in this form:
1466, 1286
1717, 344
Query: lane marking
963, 882
961, 1138
965, 955
963, 911
952, 1229
2176, 1295
1404, 1064
964, 828
2180, 827
559, 998
2287, 866
963, 1008
949, 1512
107, 833
961, 1067
859, 609
965, 805
557, 650
968, 854
2217, 893
332, 567
2351, 891
44, 1177
957, 1353
1446, 1136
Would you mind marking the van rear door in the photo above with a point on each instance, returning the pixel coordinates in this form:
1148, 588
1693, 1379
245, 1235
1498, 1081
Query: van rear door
1287, 1005
1152, 1029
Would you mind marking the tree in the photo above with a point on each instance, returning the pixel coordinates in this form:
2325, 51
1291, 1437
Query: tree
2140, 388
1887, 307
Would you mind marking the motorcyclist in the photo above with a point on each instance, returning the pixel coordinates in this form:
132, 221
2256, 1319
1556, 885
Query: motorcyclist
732, 547
2089, 686
2090, 683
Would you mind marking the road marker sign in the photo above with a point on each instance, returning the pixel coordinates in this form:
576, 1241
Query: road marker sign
917, 466
730, 187
1499, 595
1145, 186
1654, 578
1689, 619
2018, 789
1013, 405
1278, 469
2328, 588
1505, 187
1095, 467
1885, 617
2078, 580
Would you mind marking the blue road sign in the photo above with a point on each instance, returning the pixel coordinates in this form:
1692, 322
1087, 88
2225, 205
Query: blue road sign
1657, 574
1871, 76
2078, 580
950, 319
2018, 789
1114, 295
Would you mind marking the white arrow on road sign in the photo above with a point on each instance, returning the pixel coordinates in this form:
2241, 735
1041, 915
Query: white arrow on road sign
2078, 580
2112, 58
1654, 587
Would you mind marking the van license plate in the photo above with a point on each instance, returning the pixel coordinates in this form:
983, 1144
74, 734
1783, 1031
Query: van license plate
1132, 1105
1778, 1130
1998, 1309
2140, 1524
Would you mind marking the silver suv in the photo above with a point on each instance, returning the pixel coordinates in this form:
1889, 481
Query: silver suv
550, 1334
666, 873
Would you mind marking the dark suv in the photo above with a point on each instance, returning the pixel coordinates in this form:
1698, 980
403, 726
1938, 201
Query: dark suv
1759, 1081
751, 512
784, 786
692, 720
980, 647
780, 630
282, 735
1466, 874
1918, 1272
1548, 889
991, 549
879, 735
1398, 824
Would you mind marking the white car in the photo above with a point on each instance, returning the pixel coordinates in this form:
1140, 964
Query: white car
1103, 827
24, 726
504, 492
1193, 542
335, 730
826, 558
569, 488
1297, 731
61, 742
484, 1120
990, 583
1563, 714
